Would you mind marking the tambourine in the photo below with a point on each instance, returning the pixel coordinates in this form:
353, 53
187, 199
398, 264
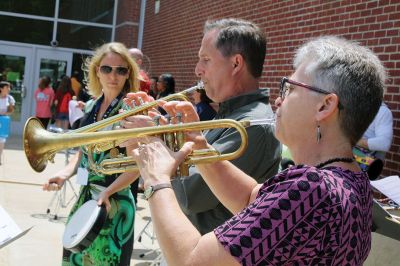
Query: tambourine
368, 162
84, 226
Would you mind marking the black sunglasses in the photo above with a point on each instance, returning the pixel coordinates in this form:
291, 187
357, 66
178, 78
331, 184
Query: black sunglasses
122, 71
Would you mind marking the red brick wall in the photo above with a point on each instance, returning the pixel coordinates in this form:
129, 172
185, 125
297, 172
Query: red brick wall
124, 34
127, 24
172, 38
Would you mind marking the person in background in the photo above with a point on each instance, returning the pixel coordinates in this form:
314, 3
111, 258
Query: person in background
7, 104
63, 96
111, 73
137, 55
377, 139
44, 96
371, 149
318, 212
75, 112
230, 64
153, 87
75, 83
165, 87
79, 91
202, 104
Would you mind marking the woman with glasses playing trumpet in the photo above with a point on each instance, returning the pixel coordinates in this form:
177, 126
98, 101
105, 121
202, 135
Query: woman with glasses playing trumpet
110, 74
317, 212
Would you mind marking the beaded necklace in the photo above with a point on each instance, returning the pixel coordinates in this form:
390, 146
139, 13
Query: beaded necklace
109, 110
334, 160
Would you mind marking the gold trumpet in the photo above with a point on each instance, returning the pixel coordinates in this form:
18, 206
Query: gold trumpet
100, 147
41, 145
182, 96
39, 163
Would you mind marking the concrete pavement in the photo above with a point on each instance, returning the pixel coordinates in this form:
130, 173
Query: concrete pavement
27, 204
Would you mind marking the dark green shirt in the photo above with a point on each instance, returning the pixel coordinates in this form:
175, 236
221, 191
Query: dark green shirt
260, 160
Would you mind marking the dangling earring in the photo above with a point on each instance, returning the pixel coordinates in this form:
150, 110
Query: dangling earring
318, 134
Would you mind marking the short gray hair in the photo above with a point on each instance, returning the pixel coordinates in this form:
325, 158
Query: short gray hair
353, 72
237, 36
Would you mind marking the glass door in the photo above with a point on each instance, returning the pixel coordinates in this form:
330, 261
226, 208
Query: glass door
23, 66
53, 63
15, 65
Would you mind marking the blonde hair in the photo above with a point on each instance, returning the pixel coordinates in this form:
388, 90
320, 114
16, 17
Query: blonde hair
92, 81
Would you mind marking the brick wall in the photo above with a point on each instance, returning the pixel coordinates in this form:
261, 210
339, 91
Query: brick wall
172, 38
127, 24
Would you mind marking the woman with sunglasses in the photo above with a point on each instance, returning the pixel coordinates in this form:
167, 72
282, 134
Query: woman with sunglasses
317, 212
110, 74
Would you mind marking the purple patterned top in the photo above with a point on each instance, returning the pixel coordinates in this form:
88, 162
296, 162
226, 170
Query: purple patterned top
304, 216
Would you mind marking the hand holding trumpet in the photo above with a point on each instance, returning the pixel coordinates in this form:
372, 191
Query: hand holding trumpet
156, 162
174, 109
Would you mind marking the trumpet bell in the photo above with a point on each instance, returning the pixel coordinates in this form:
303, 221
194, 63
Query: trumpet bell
33, 132
41, 145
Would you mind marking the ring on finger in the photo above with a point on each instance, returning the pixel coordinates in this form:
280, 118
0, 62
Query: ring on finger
141, 102
141, 147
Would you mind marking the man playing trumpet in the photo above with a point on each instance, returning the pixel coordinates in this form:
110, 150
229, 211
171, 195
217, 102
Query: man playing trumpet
231, 59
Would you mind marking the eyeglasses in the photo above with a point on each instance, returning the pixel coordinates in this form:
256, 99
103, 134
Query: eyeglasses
120, 70
284, 87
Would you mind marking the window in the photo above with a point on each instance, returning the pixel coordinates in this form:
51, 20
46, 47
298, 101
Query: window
32, 7
96, 11
156, 6
26, 30
82, 36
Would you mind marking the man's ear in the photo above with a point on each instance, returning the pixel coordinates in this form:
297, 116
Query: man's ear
327, 107
237, 63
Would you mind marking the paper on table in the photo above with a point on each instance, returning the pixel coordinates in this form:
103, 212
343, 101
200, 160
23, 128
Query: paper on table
9, 230
389, 186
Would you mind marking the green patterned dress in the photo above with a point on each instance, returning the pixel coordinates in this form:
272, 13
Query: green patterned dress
107, 248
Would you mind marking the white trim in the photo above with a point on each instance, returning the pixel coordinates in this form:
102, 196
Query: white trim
12, 14
141, 23
127, 23
114, 20
102, 25
29, 45
55, 24
52, 19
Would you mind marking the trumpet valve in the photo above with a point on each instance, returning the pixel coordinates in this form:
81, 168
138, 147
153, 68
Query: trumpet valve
51, 158
114, 153
156, 121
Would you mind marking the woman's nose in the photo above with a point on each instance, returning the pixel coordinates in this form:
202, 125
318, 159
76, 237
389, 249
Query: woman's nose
278, 102
114, 74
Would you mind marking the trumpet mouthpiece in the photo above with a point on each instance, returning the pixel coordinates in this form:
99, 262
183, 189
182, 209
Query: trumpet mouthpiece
200, 85
265, 121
